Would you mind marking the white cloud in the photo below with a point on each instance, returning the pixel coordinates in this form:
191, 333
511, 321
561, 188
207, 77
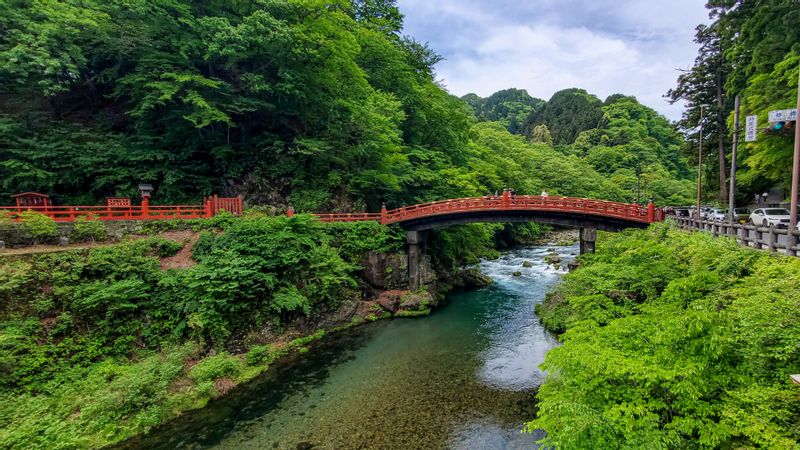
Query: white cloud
632, 47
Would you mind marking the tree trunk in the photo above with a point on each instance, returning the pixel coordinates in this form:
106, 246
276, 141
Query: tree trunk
721, 133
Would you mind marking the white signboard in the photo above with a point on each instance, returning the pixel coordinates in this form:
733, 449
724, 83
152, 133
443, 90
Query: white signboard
783, 115
751, 124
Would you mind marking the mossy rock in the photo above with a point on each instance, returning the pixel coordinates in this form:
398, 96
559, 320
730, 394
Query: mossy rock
517, 274
416, 313
527, 264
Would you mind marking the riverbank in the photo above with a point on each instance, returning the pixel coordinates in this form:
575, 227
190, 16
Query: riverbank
105, 343
672, 338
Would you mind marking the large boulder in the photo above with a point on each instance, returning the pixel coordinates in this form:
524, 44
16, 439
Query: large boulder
390, 300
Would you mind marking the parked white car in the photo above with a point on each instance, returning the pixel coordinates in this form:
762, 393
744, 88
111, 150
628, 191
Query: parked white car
718, 215
770, 217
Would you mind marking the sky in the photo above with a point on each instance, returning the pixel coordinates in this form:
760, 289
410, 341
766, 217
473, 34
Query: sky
633, 47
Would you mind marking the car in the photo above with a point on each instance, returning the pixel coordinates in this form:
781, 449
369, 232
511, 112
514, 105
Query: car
717, 214
770, 217
681, 212
741, 214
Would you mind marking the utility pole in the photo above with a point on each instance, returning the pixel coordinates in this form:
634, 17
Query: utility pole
732, 188
795, 176
700, 164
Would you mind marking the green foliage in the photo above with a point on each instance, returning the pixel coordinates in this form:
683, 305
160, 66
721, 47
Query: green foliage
263, 354
37, 225
88, 229
355, 239
220, 365
673, 340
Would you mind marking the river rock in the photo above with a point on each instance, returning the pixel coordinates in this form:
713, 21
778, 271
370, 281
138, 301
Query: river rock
517, 274
527, 264
414, 301
304, 446
390, 300
552, 258
473, 277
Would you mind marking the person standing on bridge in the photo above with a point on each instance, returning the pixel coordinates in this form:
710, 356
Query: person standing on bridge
545, 194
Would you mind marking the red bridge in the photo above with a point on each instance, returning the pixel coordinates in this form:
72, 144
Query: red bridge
588, 215
611, 216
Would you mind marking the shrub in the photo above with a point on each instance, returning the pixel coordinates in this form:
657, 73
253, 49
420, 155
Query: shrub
87, 228
260, 354
220, 365
38, 226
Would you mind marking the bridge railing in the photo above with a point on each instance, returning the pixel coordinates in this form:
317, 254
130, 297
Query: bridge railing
349, 217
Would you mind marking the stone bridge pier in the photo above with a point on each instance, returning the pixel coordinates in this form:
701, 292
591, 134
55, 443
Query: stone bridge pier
588, 237
416, 251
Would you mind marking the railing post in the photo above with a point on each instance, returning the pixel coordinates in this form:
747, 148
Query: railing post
791, 243
758, 235
71, 214
771, 238
208, 213
506, 199
145, 206
239, 205
384, 214
651, 211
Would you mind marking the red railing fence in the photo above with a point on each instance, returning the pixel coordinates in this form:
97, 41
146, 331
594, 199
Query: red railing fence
119, 209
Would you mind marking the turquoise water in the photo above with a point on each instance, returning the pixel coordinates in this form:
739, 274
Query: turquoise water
462, 378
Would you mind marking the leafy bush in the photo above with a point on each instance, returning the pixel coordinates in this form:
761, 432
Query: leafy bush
88, 229
38, 226
217, 366
264, 354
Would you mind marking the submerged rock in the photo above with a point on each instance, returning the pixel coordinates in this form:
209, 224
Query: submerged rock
517, 274
527, 264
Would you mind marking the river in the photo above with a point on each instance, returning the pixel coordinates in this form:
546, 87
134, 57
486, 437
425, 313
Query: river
463, 378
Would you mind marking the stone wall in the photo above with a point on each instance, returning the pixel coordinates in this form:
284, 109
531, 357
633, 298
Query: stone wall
13, 235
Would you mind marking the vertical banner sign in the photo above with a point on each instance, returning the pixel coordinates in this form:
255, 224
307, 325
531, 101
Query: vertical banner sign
751, 124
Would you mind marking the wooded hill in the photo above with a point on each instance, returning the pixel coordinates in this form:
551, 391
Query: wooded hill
318, 104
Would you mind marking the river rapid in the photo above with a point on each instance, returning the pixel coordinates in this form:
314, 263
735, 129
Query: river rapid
464, 377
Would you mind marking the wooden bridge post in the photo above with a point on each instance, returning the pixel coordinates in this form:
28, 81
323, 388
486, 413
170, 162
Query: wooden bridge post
384, 214
651, 211
416, 251
588, 237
